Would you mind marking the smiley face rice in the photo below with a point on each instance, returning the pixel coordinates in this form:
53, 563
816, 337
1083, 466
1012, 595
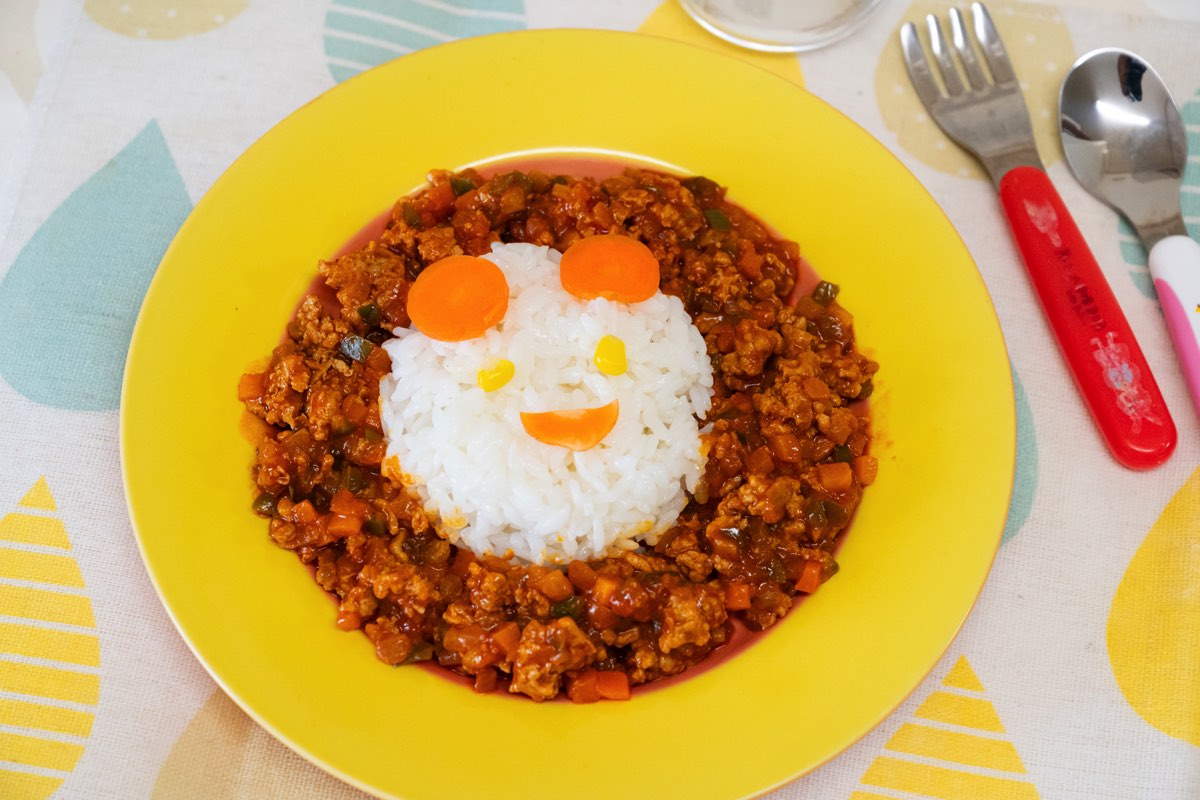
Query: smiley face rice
556, 432
624, 383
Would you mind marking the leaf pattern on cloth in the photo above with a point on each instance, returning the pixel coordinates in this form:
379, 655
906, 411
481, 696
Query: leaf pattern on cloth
1039, 44
360, 34
1154, 622
954, 748
49, 651
1189, 200
163, 19
70, 298
1026, 479
224, 751
19, 58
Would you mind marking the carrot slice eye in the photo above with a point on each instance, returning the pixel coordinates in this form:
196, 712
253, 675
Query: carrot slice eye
458, 298
575, 429
612, 266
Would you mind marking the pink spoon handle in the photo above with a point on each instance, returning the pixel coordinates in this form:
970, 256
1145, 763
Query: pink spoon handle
1175, 265
1092, 333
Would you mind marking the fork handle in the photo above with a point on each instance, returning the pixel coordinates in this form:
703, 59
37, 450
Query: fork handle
1092, 332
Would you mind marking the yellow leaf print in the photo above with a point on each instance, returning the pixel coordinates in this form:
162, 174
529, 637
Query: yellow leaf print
49, 651
163, 19
1040, 47
19, 58
233, 759
1154, 624
944, 751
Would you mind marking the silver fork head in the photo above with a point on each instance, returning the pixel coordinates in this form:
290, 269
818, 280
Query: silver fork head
985, 114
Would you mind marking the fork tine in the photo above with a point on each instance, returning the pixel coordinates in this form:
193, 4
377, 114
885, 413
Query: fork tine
918, 68
966, 53
993, 48
941, 54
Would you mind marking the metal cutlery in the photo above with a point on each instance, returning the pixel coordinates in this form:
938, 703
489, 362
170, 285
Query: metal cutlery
986, 115
1126, 143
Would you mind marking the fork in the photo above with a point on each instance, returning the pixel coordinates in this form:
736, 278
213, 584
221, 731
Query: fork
987, 117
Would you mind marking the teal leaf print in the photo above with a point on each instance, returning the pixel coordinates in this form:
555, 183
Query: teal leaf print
70, 298
1189, 200
360, 34
1025, 480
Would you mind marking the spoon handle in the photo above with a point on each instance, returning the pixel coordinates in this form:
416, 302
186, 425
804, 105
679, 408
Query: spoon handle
1175, 266
1092, 332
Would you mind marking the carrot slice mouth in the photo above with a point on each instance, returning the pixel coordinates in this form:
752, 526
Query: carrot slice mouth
576, 429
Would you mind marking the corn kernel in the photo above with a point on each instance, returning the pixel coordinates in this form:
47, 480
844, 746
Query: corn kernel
492, 378
610, 356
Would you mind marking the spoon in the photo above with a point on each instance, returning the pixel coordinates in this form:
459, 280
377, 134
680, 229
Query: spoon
1125, 142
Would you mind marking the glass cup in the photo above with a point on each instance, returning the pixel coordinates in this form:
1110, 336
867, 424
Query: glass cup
780, 26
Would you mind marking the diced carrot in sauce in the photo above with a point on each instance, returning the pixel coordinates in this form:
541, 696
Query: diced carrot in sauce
555, 585
581, 575
582, 688
603, 619
439, 198
835, 476
251, 385
506, 637
612, 685
866, 468
344, 526
463, 559
379, 360
604, 588
786, 447
485, 681
749, 262
346, 504
303, 513
349, 620
737, 596
810, 577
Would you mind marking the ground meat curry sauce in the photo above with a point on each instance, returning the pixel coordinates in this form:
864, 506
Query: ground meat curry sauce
786, 467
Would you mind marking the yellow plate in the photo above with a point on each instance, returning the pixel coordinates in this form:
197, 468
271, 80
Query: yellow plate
912, 566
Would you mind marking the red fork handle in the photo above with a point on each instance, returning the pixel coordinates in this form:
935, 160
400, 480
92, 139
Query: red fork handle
1092, 333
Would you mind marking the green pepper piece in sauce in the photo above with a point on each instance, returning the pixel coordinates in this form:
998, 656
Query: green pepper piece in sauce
355, 347
570, 607
825, 292
717, 219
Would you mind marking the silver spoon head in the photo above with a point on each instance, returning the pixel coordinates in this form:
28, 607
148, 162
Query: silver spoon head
1124, 139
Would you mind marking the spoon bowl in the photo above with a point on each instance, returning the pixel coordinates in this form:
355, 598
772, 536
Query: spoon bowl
1125, 141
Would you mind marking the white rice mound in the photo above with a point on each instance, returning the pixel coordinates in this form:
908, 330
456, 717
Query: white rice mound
489, 485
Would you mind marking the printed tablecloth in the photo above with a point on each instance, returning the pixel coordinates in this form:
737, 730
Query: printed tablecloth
1077, 675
